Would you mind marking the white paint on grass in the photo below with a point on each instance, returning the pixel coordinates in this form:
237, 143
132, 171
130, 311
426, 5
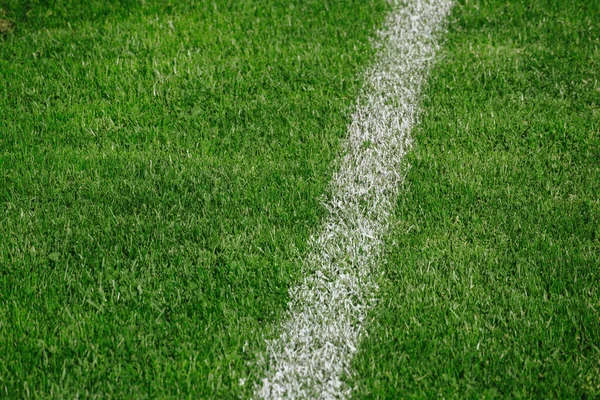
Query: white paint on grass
324, 324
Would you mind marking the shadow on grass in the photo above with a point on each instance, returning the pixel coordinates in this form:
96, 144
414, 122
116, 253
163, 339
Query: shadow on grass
46, 14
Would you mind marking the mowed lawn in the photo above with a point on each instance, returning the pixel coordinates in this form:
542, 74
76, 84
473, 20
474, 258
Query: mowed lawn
161, 167
492, 279
162, 163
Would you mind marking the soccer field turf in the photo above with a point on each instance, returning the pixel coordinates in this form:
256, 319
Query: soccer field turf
162, 167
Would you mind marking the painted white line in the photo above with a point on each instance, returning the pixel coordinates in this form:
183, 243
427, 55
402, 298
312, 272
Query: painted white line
324, 324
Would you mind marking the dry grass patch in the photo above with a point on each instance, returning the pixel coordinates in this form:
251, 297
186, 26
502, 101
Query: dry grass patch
5, 25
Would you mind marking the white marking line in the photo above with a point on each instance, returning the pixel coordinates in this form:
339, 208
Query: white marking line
324, 324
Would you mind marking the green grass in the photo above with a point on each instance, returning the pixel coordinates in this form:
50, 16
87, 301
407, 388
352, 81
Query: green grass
160, 171
492, 281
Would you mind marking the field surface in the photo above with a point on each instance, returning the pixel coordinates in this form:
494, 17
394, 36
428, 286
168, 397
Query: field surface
162, 167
